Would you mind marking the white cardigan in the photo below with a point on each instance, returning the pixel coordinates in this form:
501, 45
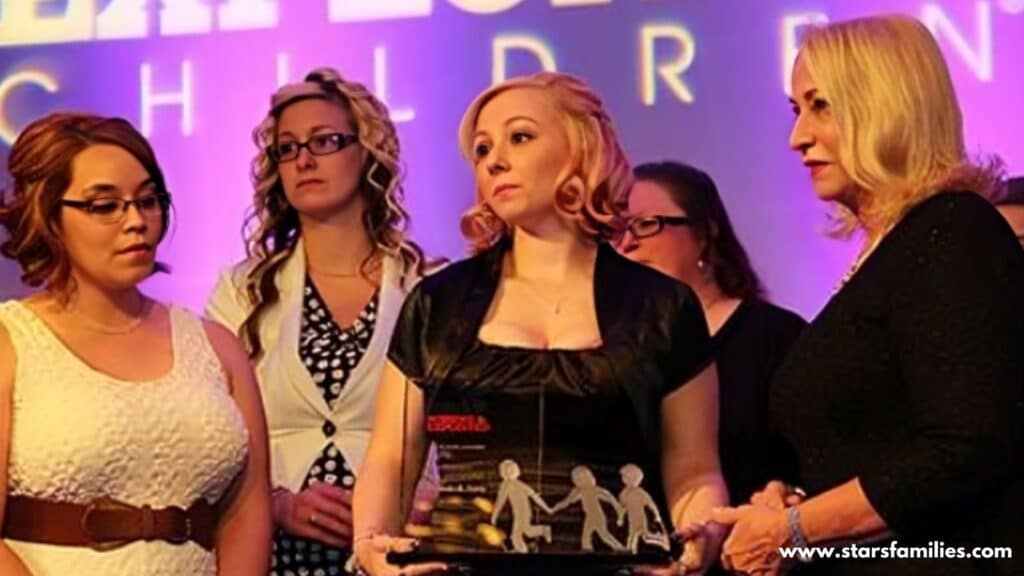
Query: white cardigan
295, 407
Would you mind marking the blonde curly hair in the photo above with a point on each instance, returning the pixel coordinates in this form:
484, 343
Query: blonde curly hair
272, 227
594, 193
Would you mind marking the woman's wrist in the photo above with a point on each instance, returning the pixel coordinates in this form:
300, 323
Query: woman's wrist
279, 497
795, 535
366, 535
363, 545
795, 528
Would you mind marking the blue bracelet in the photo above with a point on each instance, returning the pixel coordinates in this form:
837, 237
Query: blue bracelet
796, 532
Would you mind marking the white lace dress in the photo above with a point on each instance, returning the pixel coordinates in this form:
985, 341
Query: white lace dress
78, 435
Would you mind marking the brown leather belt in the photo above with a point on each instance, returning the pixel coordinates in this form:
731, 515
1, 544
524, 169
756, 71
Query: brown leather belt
106, 523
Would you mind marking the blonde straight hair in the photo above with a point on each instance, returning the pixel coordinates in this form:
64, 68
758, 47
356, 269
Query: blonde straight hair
900, 125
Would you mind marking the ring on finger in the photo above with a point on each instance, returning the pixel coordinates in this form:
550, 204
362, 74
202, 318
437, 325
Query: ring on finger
312, 517
792, 490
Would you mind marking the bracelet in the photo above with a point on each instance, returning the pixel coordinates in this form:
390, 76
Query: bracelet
352, 566
368, 534
796, 532
796, 491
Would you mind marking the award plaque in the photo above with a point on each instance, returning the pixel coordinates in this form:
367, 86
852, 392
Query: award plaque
528, 485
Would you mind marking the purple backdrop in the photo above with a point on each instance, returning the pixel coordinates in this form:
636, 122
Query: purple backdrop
697, 80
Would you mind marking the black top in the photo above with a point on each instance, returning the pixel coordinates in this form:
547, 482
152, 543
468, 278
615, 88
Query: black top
749, 348
912, 380
571, 421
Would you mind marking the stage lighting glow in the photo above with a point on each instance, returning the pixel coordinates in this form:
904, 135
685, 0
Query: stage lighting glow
975, 50
671, 71
150, 99
39, 78
978, 58
505, 43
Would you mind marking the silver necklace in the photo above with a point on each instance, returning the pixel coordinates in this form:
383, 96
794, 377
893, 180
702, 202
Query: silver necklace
858, 263
334, 274
555, 306
95, 326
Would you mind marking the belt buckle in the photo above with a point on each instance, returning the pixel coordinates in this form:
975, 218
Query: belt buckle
179, 540
105, 504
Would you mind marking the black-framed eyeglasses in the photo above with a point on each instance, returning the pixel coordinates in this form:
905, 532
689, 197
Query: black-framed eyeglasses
113, 210
646, 226
318, 145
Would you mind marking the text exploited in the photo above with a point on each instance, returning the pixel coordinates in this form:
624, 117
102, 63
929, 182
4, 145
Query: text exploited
893, 550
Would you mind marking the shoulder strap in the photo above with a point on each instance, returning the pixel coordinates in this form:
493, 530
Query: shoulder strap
27, 332
193, 351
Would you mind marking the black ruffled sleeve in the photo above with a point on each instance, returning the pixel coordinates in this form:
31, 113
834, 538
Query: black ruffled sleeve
690, 350
406, 350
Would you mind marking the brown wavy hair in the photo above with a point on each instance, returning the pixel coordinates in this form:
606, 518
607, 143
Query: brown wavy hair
595, 191
40, 167
272, 227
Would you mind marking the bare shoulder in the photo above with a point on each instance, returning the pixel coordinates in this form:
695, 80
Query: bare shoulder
7, 360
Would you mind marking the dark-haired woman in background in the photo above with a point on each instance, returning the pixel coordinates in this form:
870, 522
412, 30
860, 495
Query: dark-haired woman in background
679, 226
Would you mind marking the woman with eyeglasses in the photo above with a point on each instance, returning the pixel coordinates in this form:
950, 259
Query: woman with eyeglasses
316, 300
132, 437
679, 225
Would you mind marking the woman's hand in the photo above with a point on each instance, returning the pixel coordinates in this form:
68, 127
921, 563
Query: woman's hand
321, 512
778, 495
757, 534
694, 538
372, 557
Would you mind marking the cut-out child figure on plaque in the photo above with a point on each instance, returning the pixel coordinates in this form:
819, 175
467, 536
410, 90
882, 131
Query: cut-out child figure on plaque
635, 503
590, 496
517, 494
